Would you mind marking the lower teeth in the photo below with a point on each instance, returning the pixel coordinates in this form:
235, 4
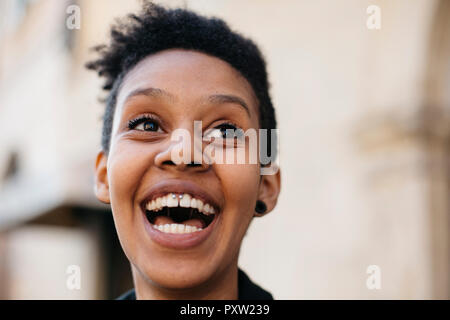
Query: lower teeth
176, 228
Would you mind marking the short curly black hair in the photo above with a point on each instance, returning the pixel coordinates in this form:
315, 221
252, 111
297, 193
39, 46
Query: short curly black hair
156, 29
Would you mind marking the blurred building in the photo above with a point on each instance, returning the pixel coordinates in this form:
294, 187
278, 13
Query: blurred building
50, 217
364, 128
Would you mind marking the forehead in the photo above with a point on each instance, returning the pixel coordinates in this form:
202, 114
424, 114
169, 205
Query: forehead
187, 75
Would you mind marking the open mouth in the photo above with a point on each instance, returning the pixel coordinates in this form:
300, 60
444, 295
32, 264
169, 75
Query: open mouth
179, 213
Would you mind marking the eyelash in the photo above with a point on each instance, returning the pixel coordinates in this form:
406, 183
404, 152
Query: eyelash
132, 124
227, 125
238, 131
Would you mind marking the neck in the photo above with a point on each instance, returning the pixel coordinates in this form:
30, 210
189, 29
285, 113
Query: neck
223, 286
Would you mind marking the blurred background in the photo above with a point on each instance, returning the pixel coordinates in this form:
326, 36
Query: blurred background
364, 127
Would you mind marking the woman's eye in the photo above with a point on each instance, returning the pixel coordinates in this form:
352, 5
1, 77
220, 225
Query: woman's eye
144, 124
148, 125
224, 131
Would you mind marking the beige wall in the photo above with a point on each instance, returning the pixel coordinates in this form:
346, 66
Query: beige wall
355, 162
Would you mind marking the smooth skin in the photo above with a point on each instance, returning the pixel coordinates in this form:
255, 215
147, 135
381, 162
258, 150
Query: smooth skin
175, 87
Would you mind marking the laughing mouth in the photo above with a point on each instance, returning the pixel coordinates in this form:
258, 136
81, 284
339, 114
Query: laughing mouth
179, 213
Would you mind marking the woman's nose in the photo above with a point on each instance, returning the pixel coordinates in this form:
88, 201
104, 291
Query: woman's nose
182, 156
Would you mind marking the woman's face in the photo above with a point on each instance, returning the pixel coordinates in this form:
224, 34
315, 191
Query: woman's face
164, 92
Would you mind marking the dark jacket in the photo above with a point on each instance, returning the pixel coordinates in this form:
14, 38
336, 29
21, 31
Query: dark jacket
247, 290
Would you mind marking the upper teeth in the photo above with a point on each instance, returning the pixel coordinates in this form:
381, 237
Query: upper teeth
184, 200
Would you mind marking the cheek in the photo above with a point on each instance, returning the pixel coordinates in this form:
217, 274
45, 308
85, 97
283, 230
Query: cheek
126, 168
240, 183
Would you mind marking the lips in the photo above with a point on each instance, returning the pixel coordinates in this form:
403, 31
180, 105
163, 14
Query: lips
179, 214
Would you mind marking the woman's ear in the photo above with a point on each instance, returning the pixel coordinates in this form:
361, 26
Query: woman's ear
101, 178
269, 189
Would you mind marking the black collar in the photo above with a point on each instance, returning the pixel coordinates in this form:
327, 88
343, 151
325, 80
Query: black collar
247, 290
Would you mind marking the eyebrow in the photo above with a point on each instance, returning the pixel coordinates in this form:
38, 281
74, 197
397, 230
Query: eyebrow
150, 92
215, 98
227, 98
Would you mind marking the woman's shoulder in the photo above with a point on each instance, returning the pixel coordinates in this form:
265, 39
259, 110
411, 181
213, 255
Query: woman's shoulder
248, 290
129, 295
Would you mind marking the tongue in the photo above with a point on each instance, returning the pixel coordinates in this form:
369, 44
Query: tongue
162, 220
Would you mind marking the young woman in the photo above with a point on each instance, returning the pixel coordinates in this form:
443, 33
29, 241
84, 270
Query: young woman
181, 223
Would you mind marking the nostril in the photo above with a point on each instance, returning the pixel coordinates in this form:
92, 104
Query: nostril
194, 165
188, 165
169, 162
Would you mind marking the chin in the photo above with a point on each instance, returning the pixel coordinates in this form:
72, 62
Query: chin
176, 278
